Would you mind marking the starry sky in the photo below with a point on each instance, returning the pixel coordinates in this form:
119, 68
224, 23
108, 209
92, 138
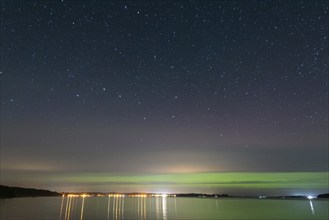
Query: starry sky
165, 95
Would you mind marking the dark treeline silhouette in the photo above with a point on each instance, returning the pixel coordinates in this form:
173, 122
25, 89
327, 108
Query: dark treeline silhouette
200, 195
12, 192
322, 196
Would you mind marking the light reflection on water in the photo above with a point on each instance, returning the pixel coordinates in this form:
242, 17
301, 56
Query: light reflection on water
159, 208
312, 209
69, 208
82, 207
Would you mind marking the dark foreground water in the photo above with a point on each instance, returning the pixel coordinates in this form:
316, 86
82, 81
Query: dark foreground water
96, 208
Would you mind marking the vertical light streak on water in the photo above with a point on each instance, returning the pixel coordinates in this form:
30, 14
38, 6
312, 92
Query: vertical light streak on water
108, 208
140, 211
62, 203
66, 207
69, 208
164, 207
138, 208
116, 208
122, 208
113, 208
216, 203
82, 207
144, 208
157, 207
311, 205
73, 206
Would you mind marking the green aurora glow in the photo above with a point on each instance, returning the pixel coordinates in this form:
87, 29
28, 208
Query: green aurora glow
252, 180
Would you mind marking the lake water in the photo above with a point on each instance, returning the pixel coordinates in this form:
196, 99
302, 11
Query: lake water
97, 208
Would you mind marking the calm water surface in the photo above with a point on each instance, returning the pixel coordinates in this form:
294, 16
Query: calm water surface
96, 208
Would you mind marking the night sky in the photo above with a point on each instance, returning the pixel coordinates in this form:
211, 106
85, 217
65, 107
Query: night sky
211, 96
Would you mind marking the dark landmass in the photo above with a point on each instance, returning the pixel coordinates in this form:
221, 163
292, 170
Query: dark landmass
250, 197
323, 196
193, 195
13, 192
201, 195
286, 197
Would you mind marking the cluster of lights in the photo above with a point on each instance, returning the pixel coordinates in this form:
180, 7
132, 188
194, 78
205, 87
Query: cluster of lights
160, 195
85, 195
72, 195
120, 195
138, 195
76, 195
116, 195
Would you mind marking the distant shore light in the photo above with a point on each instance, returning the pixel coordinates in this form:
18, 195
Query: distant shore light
310, 197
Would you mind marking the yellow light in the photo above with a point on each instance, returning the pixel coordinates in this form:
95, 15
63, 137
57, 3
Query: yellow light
72, 195
85, 195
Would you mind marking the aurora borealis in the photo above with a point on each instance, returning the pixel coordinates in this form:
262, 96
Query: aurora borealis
165, 96
235, 183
